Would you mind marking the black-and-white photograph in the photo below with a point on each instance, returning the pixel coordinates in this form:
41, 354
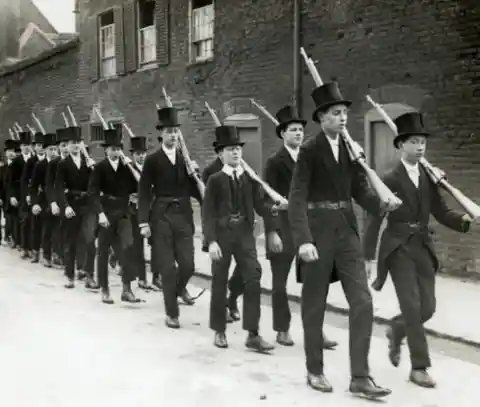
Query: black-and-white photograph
239, 202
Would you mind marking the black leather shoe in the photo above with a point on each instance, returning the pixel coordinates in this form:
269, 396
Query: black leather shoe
233, 307
220, 340
367, 388
70, 284
394, 347
35, 257
128, 296
257, 343
48, 264
142, 284
319, 383
421, 378
157, 284
91, 284
284, 338
187, 298
106, 299
172, 322
81, 275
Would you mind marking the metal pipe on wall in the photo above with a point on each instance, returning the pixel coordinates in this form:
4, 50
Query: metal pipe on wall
297, 69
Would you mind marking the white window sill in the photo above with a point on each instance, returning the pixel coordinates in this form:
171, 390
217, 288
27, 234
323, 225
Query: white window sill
148, 66
201, 61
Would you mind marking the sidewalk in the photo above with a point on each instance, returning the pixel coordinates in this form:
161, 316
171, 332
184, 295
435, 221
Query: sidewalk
457, 301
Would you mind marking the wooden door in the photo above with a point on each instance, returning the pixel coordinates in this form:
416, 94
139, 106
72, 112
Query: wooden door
384, 156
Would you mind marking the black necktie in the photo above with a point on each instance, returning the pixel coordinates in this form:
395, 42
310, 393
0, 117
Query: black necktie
235, 192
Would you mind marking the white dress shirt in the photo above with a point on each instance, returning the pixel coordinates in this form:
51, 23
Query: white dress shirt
114, 164
26, 157
228, 169
41, 157
335, 145
293, 153
171, 153
413, 172
77, 160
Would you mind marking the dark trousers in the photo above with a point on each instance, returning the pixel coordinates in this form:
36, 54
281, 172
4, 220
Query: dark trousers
281, 264
137, 251
238, 243
236, 285
26, 228
73, 229
13, 226
86, 240
120, 229
413, 275
172, 241
36, 228
47, 234
341, 250
58, 236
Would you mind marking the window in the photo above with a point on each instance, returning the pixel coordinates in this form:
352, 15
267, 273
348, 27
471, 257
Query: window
108, 63
96, 135
147, 35
202, 29
96, 131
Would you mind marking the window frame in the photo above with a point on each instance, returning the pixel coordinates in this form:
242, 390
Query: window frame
140, 31
100, 38
193, 41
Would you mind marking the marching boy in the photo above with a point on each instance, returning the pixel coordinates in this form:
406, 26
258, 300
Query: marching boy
231, 197
406, 248
110, 187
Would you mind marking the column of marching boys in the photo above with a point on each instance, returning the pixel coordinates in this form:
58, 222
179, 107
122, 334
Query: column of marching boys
58, 203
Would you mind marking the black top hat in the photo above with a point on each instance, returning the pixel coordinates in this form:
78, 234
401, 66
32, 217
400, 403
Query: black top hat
112, 137
63, 135
326, 96
10, 144
287, 115
38, 138
408, 125
167, 117
138, 144
25, 137
74, 133
227, 136
49, 139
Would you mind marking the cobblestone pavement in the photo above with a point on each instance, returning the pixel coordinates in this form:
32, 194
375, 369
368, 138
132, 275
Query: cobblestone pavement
65, 348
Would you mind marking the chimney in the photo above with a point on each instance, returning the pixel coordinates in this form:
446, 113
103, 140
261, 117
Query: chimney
9, 29
76, 13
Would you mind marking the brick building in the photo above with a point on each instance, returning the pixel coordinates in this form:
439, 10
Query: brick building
416, 54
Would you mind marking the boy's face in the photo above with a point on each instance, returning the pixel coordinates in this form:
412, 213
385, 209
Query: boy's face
38, 148
74, 146
413, 148
232, 155
334, 120
139, 156
293, 135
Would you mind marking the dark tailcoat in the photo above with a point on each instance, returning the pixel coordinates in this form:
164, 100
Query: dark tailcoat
15, 179
162, 180
217, 204
411, 218
37, 185
71, 185
50, 180
27, 175
278, 174
318, 177
110, 190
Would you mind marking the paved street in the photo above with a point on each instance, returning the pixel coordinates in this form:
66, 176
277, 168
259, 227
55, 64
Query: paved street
65, 348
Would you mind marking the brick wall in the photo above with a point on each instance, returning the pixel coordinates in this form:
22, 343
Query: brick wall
422, 53
44, 85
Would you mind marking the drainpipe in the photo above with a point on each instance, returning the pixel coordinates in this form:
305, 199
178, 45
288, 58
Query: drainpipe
297, 69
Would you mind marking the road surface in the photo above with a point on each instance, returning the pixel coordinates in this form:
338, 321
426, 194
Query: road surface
64, 348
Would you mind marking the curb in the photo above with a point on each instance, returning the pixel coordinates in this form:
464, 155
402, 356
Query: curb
377, 319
